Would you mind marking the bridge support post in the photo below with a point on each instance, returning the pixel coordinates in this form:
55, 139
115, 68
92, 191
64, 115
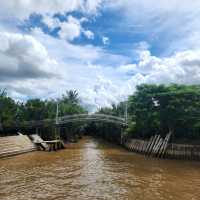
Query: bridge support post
57, 132
122, 136
37, 131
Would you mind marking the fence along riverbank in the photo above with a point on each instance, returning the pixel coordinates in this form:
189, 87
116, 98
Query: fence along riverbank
160, 147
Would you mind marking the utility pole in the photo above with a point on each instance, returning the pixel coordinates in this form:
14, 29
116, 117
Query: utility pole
57, 112
126, 111
56, 127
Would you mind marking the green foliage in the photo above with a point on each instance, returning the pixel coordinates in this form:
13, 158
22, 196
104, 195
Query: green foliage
8, 109
151, 109
159, 108
70, 104
130, 131
12, 112
116, 110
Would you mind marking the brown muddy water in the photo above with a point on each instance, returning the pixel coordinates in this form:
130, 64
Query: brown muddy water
94, 169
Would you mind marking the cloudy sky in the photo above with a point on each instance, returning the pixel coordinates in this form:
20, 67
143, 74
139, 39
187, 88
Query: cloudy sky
101, 48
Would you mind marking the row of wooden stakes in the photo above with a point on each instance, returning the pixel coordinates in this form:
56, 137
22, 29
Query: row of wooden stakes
156, 146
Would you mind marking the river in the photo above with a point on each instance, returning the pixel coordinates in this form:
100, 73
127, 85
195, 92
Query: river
94, 169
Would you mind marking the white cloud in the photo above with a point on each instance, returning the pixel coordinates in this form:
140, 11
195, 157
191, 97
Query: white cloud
23, 8
66, 51
70, 29
92, 6
102, 85
182, 67
23, 57
105, 40
128, 68
172, 25
50, 21
153, 5
89, 34
65, 61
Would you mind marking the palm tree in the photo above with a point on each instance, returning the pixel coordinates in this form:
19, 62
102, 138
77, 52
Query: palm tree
71, 97
3, 92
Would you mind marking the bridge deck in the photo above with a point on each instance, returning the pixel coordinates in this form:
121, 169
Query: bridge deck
74, 118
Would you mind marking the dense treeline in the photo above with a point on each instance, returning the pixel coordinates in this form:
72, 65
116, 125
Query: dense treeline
36, 109
159, 109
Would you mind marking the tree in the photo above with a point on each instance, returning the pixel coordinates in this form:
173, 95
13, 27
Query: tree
159, 108
70, 103
12, 112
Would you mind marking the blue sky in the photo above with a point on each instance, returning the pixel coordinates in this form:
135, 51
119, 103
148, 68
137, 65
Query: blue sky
101, 48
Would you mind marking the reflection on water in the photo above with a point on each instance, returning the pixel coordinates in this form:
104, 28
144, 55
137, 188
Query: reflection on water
94, 169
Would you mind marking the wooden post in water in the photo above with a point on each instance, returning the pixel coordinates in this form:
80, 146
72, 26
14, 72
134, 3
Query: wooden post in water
152, 144
155, 145
148, 144
165, 144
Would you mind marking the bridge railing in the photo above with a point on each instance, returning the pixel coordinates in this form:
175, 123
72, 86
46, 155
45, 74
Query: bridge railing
94, 120
90, 116
74, 118
35, 123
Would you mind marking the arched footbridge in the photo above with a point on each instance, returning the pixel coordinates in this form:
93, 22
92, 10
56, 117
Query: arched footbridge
64, 120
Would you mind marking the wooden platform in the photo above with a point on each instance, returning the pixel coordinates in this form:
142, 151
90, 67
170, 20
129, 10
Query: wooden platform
14, 145
48, 145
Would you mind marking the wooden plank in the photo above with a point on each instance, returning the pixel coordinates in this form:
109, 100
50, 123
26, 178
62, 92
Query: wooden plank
161, 148
138, 146
135, 146
151, 145
148, 144
144, 146
141, 145
165, 144
155, 145
158, 146
132, 145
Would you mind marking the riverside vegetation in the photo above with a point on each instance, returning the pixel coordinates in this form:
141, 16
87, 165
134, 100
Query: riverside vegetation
151, 109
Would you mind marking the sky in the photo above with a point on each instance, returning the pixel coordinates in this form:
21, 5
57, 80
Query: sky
101, 48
